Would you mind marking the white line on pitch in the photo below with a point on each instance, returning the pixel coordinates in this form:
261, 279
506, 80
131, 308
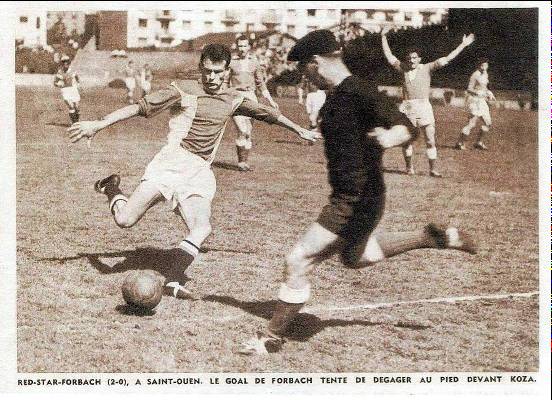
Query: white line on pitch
422, 301
330, 309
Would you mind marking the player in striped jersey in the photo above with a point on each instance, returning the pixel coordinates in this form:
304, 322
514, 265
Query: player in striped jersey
181, 172
246, 76
68, 81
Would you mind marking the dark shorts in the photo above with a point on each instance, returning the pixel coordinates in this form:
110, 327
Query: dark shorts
353, 218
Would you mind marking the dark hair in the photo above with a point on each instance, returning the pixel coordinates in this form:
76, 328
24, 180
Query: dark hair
482, 60
411, 50
216, 52
362, 58
243, 37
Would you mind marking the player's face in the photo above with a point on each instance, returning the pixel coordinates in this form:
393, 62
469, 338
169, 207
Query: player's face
413, 60
243, 47
213, 75
311, 70
484, 67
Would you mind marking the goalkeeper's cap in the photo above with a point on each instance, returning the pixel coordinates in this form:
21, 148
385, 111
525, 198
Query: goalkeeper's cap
314, 43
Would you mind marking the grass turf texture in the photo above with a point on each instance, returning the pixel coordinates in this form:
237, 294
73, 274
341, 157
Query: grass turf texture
72, 259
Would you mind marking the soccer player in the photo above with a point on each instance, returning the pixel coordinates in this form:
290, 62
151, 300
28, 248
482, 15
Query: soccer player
478, 94
181, 172
146, 77
68, 82
130, 73
313, 103
416, 87
356, 122
246, 75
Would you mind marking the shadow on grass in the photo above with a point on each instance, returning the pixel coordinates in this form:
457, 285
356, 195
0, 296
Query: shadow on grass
127, 309
225, 165
168, 262
303, 327
56, 123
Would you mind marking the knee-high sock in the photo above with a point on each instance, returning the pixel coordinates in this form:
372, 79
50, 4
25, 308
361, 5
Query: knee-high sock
401, 242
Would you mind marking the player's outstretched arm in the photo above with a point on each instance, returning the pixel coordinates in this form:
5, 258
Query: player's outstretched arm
391, 59
88, 129
305, 134
466, 41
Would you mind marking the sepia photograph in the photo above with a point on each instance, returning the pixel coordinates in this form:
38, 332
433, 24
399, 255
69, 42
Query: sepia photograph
271, 188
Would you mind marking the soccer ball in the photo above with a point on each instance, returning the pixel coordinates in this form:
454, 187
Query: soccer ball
143, 289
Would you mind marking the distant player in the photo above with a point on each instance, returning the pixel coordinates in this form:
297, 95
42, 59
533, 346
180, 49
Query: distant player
416, 87
68, 82
181, 172
131, 73
313, 103
146, 77
477, 96
246, 76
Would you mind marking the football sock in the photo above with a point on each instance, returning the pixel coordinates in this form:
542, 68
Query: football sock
401, 242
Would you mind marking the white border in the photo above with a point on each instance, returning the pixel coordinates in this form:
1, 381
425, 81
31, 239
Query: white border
8, 231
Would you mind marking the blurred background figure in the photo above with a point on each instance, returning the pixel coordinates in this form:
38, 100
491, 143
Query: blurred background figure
313, 103
68, 82
146, 77
130, 73
477, 96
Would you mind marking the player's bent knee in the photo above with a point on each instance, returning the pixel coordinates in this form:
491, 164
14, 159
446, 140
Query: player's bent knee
125, 220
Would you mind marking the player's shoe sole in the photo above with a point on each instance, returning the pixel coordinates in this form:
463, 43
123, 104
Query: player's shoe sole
176, 290
460, 146
435, 174
451, 238
480, 146
243, 167
263, 344
112, 180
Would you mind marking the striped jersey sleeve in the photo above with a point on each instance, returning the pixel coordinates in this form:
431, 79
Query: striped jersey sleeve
153, 103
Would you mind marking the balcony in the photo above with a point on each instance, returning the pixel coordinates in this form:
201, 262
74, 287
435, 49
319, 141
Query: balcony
230, 17
165, 15
270, 19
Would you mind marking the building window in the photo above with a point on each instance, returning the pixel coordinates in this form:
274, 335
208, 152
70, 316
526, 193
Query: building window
311, 12
142, 22
37, 22
142, 41
166, 40
23, 20
291, 30
167, 13
249, 27
208, 26
165, 24
291, 13
186, 24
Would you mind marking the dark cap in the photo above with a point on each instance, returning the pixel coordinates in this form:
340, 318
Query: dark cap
314, 43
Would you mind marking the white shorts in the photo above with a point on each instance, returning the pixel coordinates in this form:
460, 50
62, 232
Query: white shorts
478, 107
146, 86
418, 111
130, 83
243, 122
314, 102
70, 94
179, 174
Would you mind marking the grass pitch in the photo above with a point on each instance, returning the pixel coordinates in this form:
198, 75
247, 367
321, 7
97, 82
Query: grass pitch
72, 258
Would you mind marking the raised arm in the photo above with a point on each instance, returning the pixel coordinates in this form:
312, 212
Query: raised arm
466, 41
391, 59
88, 129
